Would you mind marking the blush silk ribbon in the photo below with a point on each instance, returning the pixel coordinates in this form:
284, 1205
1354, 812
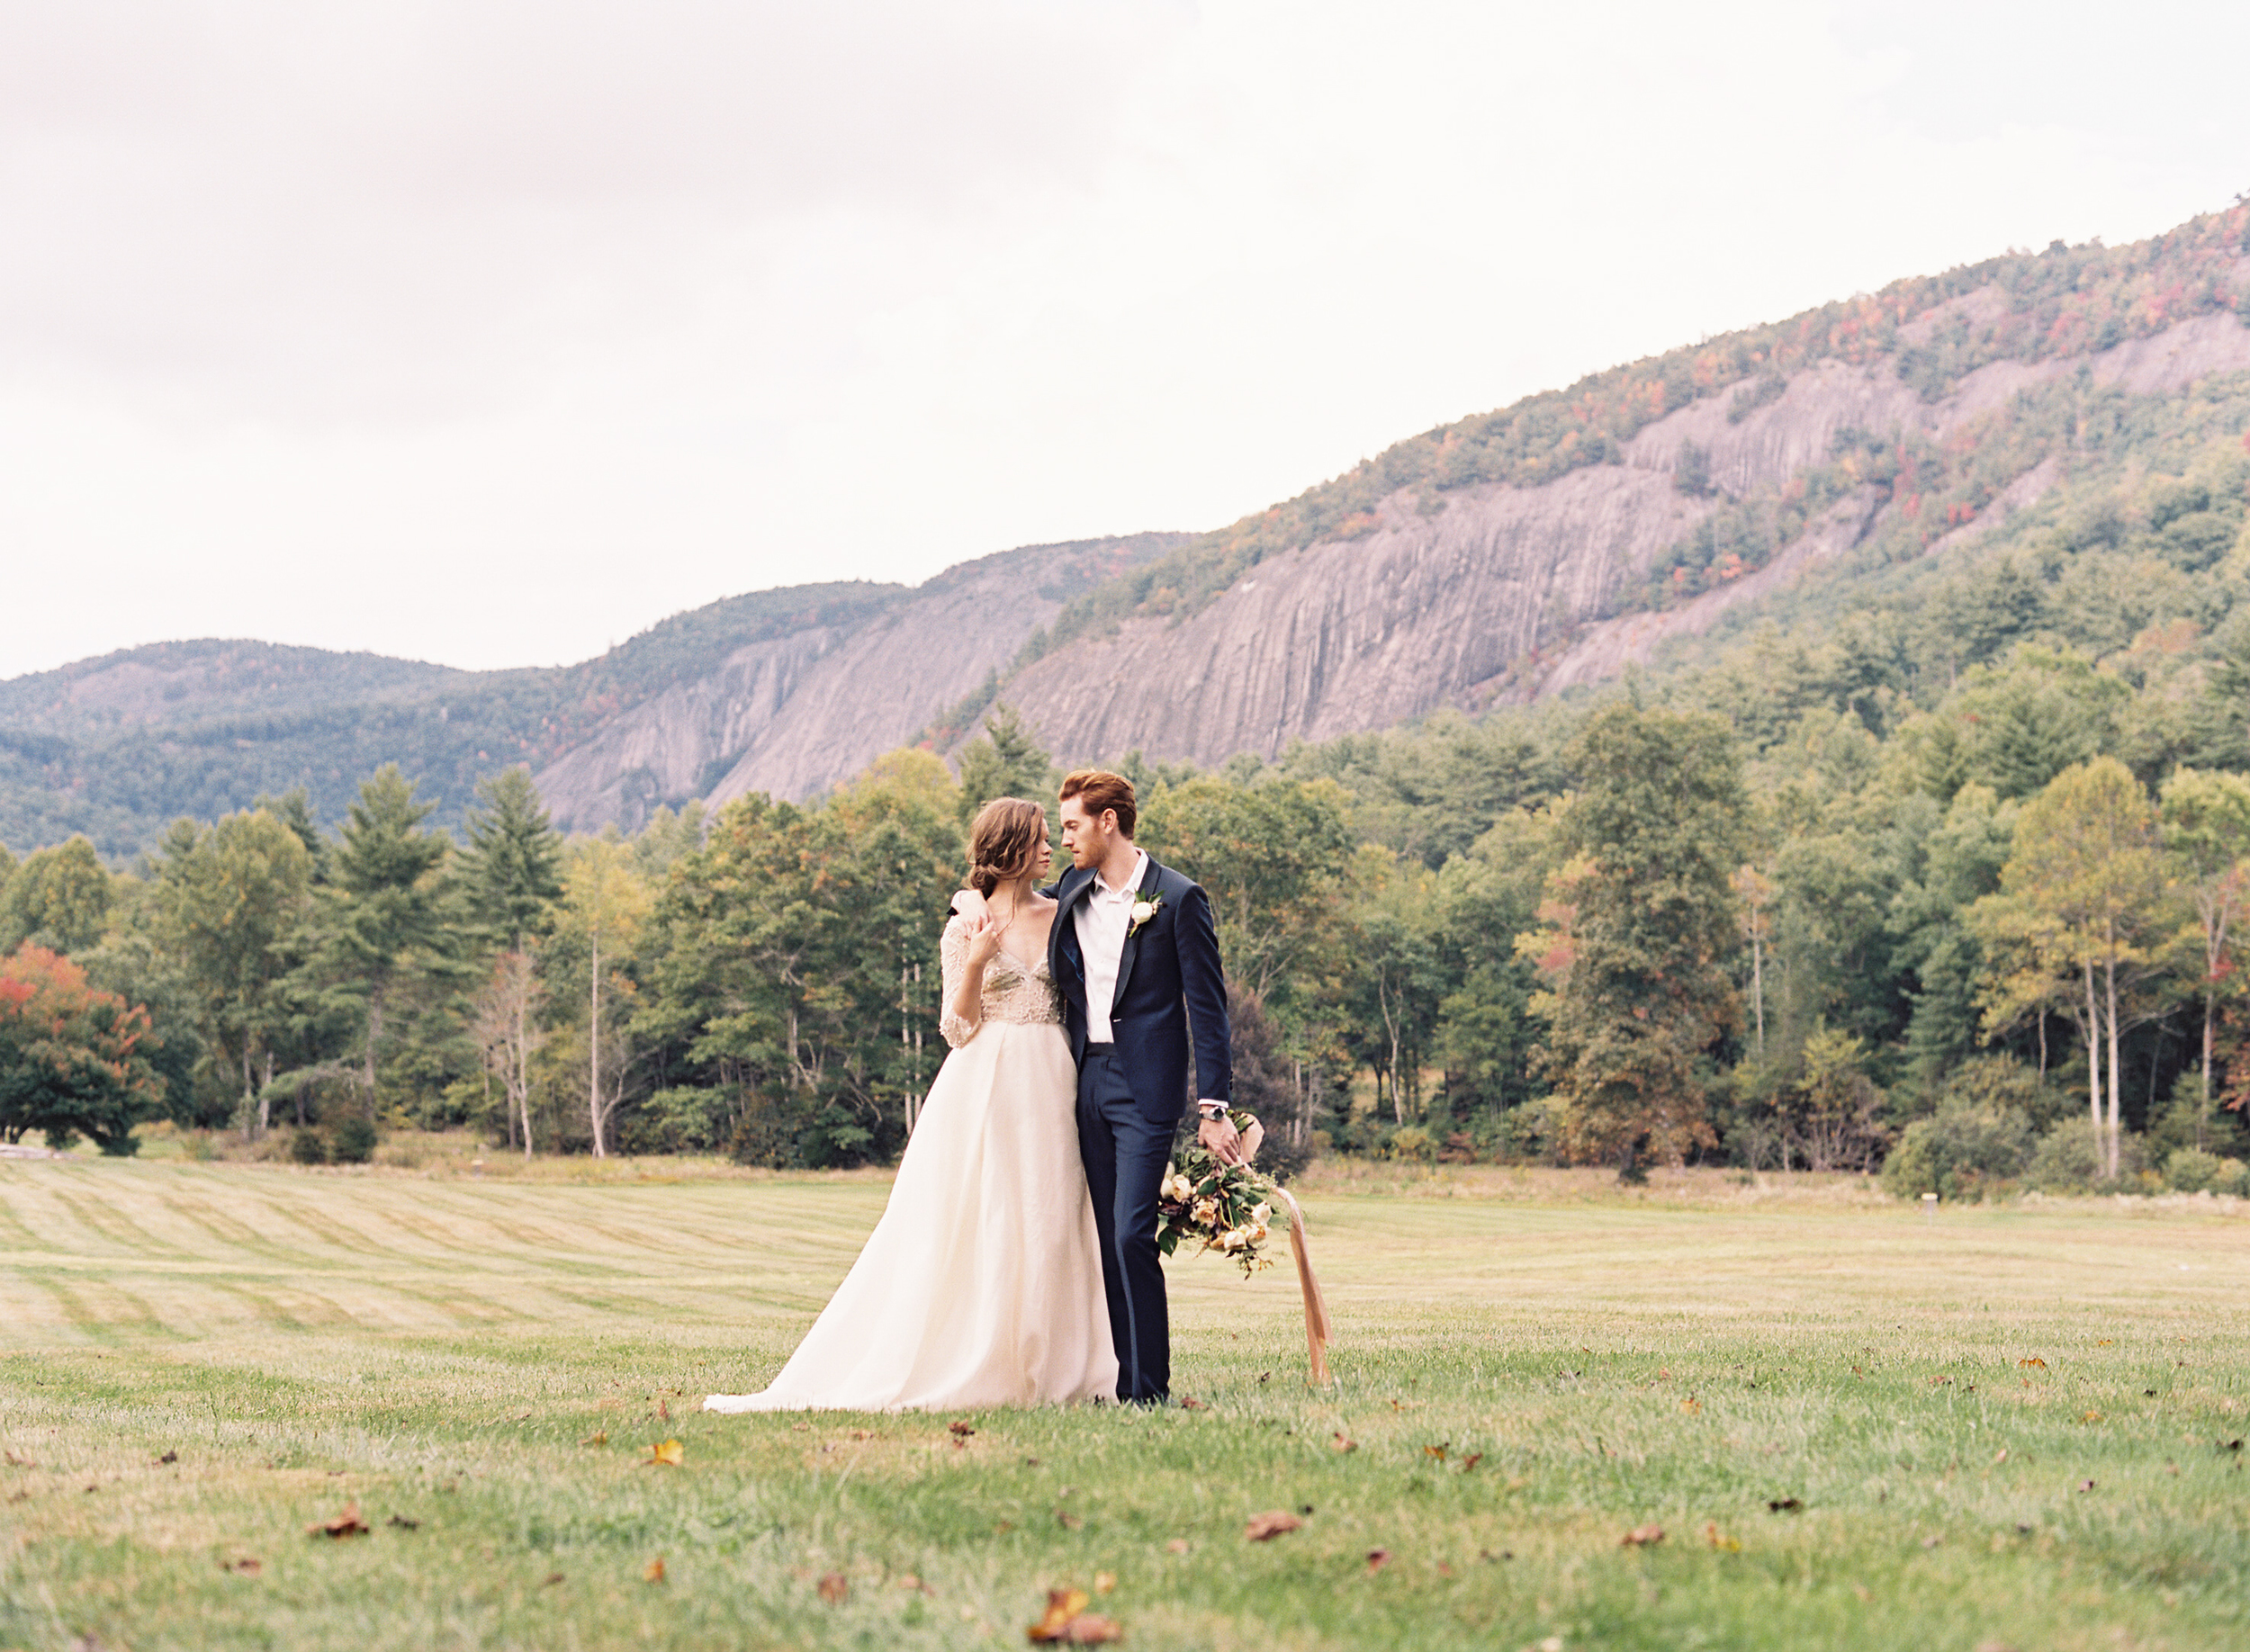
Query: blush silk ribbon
1316, 1307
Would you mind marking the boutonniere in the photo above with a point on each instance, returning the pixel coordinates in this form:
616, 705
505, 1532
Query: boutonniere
1143, 913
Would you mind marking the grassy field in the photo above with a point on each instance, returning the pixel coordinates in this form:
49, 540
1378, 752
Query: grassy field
2010, 1426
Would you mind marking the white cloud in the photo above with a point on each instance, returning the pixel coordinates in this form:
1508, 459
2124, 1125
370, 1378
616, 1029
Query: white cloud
491, 332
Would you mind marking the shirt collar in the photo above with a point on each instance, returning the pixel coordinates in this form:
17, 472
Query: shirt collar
1140, 870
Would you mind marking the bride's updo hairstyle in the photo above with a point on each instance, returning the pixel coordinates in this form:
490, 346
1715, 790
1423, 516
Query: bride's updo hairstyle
1003, 842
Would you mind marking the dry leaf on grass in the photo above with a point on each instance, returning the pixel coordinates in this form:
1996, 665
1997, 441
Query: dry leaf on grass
1641, 1537
1264, 1528
1067, 1623
2092, 1416
1438, 1452
2085, 1486
246, 1565
654, 1572
1068, 1520
1719, 1539
403, 1524
170, 1457
1177, 1545
2033, 1364
663, 1410
1103, 1582
835, 1588
550, 1580
1377, 1558
959, 1429
1471, 1462
671, 1453
1188, 1401
599, 1437
346, 1524
1691, 1404
1785, 1505
22, 1462
1337, 1442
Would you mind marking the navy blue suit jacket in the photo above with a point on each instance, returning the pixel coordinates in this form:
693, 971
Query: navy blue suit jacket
1171, 992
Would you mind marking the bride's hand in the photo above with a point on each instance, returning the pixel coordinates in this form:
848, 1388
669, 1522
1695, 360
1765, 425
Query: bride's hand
969, 904
984, 941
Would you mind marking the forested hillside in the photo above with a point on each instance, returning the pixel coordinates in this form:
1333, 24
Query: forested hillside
1931, 860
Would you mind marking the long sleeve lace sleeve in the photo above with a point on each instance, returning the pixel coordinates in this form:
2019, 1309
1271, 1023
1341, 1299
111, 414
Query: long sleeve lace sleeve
953, 963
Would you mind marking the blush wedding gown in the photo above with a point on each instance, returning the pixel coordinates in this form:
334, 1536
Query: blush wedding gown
982, 1284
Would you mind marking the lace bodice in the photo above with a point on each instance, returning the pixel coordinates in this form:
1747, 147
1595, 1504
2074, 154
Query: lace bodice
1009, 994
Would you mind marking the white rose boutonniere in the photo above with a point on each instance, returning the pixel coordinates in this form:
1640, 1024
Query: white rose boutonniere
1144, 911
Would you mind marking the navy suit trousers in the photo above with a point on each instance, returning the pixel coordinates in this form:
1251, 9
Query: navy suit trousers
1125, 1152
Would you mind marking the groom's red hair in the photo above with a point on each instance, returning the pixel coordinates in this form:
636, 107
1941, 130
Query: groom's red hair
1097, 789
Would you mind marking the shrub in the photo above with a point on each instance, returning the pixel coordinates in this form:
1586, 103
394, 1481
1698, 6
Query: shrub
2069, 1161
2190, 1170
1411, 1142
1959, 1151
353, 1141
308, 1147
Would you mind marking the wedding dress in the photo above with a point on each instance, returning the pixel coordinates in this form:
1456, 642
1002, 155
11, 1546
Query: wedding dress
982, 1284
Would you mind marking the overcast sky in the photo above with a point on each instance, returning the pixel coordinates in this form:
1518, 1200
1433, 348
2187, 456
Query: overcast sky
490, 332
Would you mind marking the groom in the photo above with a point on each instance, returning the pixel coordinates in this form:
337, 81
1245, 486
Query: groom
1136, 959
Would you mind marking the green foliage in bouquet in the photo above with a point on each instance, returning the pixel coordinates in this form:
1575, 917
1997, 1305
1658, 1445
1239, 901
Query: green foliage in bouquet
1223, 1208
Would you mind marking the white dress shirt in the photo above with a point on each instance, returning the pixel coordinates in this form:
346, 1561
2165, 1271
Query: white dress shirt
1102, 919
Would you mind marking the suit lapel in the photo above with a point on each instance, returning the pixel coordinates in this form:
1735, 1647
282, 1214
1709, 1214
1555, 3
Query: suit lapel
1132, 933
1065, 962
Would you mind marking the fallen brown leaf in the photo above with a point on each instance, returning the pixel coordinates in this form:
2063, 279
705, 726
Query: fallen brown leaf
1785, 1505
671, 1453
1188, 1401
1377, 1558
247, 1566
403, 1524
663, 1409
654, 1572
958, 1429
835, 1588
1103, 1582
22, 1462
550, 1580
2092, 1416
1471, 1462
2085, 1486
1090, 1629
599, 1437
1068, 1520
1337, 1442
1062, 1606
1719, 1539
1691, 1404
170, 1457
1438, 1452
1264, 1528
1641, 1537
1177, 1545
2033, 1364
346, 1524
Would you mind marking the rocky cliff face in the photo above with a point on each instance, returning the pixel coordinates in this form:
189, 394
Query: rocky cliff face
1504, 592
793, 715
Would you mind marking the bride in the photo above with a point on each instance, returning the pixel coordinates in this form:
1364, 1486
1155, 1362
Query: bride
982, 1284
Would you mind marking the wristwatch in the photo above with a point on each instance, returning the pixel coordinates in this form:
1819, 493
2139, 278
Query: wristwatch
1211, 1110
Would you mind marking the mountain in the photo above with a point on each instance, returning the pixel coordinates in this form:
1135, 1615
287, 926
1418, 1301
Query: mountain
1503, 558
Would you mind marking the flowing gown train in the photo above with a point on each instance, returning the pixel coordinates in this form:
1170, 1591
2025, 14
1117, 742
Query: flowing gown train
982, 1284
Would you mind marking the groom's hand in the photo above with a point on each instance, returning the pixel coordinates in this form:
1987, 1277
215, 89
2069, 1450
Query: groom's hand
1220, 1137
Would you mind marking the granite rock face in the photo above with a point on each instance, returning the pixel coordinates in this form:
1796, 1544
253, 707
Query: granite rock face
1493, 592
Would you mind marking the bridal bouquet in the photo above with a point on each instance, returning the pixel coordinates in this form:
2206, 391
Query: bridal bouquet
1215, 1206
